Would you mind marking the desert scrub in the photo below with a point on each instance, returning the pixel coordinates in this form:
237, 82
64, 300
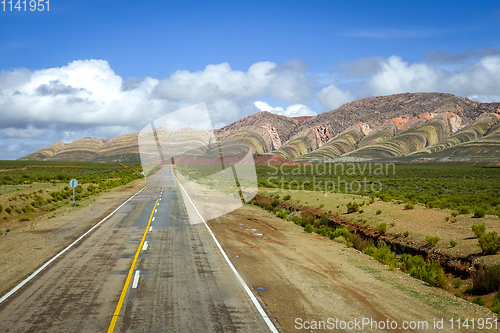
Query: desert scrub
457, 283
287, 197
409, 206
479, 213
382, 252
282, 214
453, 243
378, 212
479, 301
275, 203
24, 218
485, 280
478, 229
308, 228
352, 207
406, 233
489, 243
429, 271
432, 240
382, 228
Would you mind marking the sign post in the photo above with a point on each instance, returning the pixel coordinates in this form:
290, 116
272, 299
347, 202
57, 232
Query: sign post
73, 183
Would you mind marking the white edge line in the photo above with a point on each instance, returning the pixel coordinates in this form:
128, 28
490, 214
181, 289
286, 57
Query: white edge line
150, 228
245, 286
153, 219
136, 279
35, 273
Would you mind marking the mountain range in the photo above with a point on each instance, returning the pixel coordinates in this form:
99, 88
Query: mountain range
418, 127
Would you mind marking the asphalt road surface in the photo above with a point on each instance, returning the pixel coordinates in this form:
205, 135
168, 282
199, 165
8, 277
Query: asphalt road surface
145, 269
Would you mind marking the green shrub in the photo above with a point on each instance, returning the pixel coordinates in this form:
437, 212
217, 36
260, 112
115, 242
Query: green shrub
352, 207
463, 210
275, 203
453, 220
340, 239
459, 294
359, 242
340, 232
457, 283
382, 252
378, 212
454, 214
406, 233
283, 214
453, 243
409, 206
1, 208
496, 304
432, 240
287, 197
382, 228
24, 218
479, 301
479, 229
429, 271
485, 280
489, 243
8, 210
308, 228
479, 213
371, 201
324, 219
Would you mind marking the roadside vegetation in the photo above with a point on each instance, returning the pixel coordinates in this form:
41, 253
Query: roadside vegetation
482, 287
463, 189
29, 189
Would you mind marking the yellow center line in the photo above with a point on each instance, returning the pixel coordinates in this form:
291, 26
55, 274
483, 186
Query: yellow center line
129, 276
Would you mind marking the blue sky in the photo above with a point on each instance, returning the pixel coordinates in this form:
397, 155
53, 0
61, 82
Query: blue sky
147, 58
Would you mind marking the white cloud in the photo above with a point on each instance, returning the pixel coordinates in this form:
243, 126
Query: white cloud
480, 80
29, 132
397, 76
331, 97
220, 82
295, 110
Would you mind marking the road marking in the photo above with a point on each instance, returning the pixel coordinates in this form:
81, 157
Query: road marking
150, 228
35, 273
153, 217
160, 199
264, 315
129, 276
156, 210
145, 246
136, 279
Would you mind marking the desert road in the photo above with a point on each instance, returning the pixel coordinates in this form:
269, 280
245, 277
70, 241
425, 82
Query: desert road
144, 269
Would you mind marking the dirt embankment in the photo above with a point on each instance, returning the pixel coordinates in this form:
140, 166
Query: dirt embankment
458, 265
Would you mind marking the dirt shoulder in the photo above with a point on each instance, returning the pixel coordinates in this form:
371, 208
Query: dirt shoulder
27, 247
302, 275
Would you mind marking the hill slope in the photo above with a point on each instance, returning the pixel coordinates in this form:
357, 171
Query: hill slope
410, 126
